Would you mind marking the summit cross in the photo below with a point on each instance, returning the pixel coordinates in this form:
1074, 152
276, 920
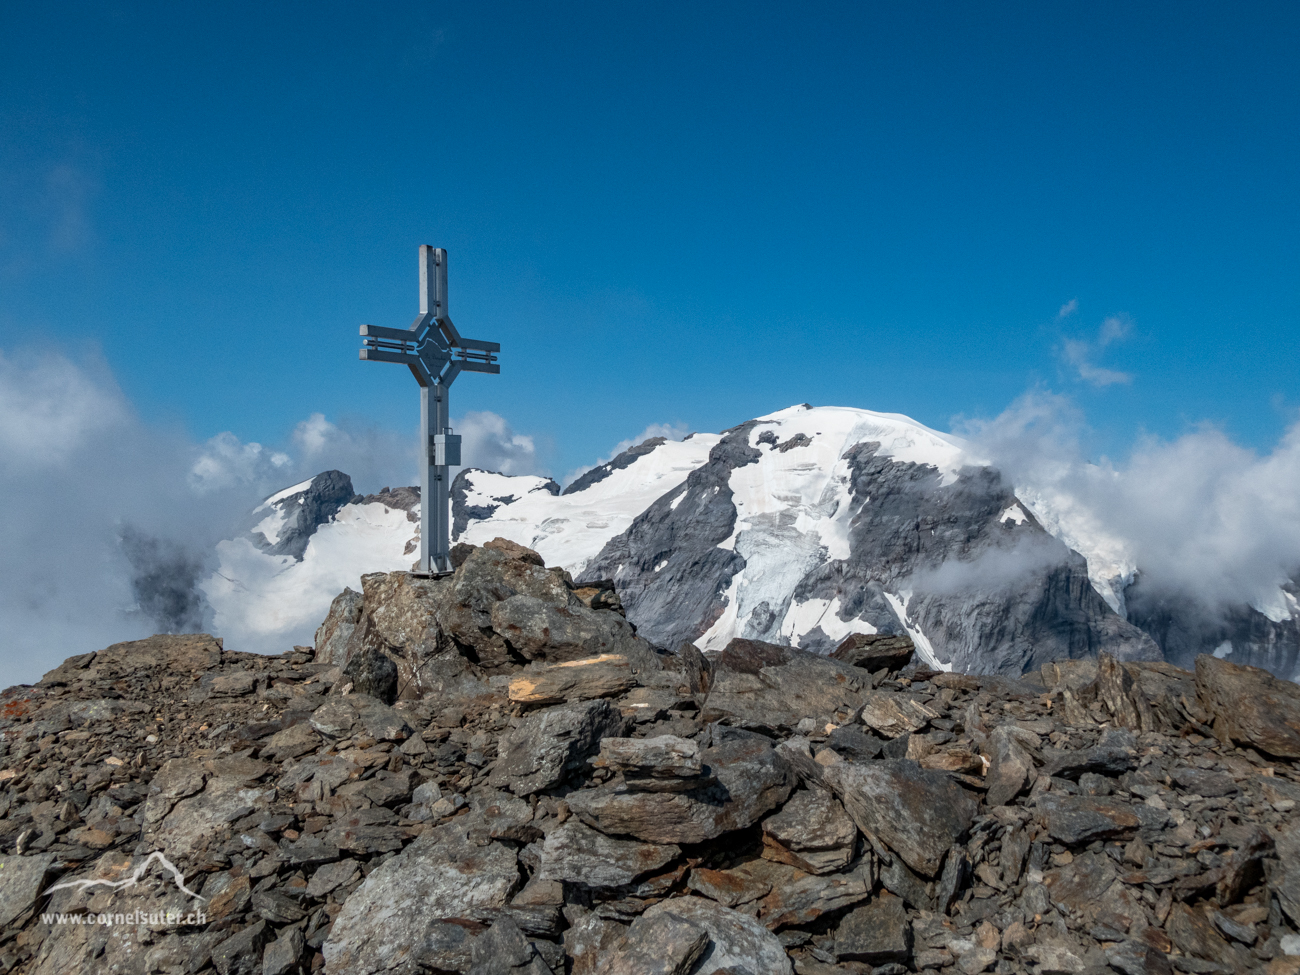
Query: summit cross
436, 354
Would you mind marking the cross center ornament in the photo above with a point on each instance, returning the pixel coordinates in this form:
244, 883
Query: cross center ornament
436, 355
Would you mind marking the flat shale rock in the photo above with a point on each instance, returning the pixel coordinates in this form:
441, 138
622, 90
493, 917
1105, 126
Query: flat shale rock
1250, 705
1115, 754
875, 651
1010, 766
661, 757
747, 779
22, 881
800, 899
762, 685
917, 813
505, 951
396, 918
578, 854
811, 832
665, 944
877, 933
577, 680
192, 822
735, 940
1080, 819
1284, 876
551, 743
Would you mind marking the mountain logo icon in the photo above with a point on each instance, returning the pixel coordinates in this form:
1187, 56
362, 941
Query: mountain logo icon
134, 879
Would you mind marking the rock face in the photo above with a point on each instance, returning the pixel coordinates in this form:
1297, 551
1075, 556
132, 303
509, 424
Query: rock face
289, 519
1092, 816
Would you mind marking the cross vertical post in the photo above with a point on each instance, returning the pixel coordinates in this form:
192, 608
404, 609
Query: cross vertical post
436, 354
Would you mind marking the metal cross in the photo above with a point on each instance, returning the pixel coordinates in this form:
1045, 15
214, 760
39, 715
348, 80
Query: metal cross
436, 355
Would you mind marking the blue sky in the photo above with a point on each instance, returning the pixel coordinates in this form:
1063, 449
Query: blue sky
686, 214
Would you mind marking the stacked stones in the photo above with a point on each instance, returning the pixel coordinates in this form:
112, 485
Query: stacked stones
493, 773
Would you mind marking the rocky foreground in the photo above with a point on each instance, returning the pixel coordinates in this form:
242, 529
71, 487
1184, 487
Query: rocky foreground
492, 773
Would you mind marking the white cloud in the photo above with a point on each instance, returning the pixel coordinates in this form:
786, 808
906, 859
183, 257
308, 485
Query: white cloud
1069, 308
1080, 353
225, 462
1199, 515
489, 443
50, 408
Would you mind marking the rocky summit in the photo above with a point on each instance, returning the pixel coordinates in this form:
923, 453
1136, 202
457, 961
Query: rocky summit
493, 772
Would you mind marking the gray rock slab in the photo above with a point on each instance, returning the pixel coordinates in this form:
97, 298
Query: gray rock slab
1009, 768
736, 940
241, 954
748, 779
504, 950
1250, 705
919, 813
812, 832
392, 919
666, 944
551, 743
1080, 819
764, 685
575, 853
802, 899
877, 933
283, 954
663, 756
22, 881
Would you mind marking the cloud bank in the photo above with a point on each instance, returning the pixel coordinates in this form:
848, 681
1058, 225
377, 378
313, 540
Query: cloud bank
1197, 516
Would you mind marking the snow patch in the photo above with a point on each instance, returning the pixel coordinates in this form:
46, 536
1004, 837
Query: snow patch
288, 492
1015, 514
923, 647
802, 618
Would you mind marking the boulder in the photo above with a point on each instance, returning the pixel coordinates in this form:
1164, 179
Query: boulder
577, 854
800, 899
336, 630
1010, 765
811, 832
551, 743
894, 715
875, 651
746, 778
397, 917
662, 763
22, 881
1250, 706
763, 685
514, 550
1080, 819
916, 812
665, 944
505, 951
877, 933
576, 680
736, 940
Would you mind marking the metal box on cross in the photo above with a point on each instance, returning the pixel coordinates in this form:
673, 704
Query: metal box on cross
436, 354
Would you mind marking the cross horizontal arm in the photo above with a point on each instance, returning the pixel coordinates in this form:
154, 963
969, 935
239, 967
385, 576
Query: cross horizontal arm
469, 365
391, 334
384, 355
479, 346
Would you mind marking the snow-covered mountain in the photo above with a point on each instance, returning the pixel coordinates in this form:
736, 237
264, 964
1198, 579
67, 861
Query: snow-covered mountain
798, 527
